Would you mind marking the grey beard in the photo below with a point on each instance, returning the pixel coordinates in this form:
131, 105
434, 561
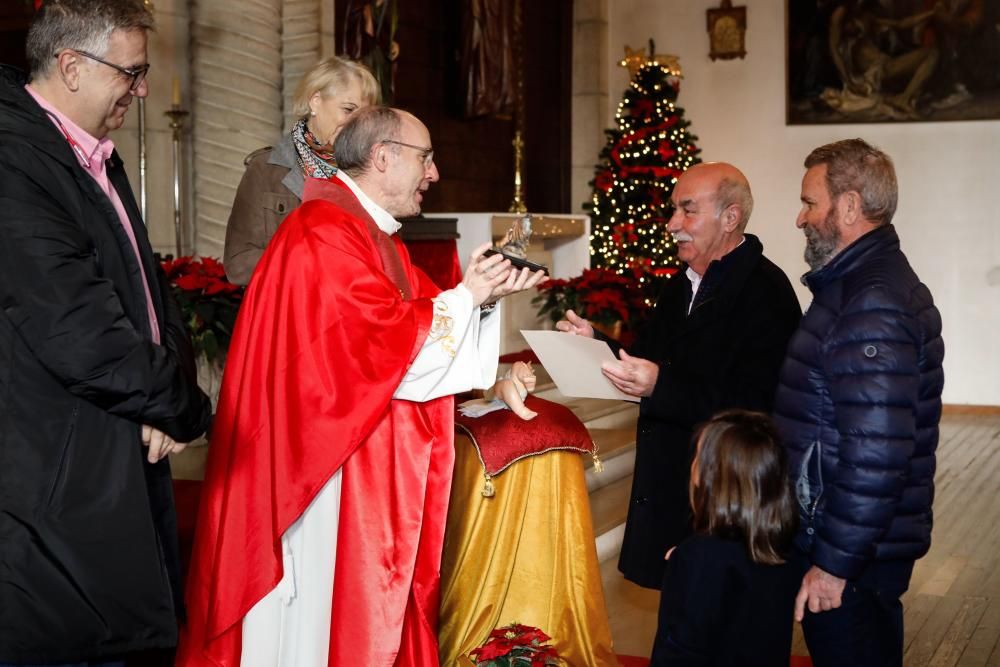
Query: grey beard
821, 249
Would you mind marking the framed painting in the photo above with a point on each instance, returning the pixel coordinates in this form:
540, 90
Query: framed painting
862, 61
727, 27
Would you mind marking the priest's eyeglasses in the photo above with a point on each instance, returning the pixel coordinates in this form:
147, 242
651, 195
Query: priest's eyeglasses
135, 74
428, 153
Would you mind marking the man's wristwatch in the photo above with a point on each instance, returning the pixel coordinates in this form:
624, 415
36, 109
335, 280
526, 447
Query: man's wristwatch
487, 308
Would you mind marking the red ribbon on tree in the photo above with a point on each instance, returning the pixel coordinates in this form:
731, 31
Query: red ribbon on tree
638, 135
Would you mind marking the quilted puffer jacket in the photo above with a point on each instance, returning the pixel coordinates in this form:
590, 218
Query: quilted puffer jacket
858, 405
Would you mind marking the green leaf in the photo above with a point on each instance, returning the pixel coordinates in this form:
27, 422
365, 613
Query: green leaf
210, 345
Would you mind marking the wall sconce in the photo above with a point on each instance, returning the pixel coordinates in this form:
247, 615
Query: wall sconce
727, 26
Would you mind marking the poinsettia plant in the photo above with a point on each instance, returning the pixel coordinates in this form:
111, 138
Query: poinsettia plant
513, 645
208, 301
600, 295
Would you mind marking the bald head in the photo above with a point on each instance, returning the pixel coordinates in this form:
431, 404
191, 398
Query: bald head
730, 186
365, 128
712, 204
389, 155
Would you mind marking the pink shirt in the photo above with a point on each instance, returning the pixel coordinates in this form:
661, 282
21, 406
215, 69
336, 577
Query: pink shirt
93, 154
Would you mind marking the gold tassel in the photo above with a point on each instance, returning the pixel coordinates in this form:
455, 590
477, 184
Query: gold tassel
488, 490
598, 466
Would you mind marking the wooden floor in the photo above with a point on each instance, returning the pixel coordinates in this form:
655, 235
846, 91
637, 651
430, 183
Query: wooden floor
952, 610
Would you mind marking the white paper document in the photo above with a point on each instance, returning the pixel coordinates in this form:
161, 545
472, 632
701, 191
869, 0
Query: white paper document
574, 362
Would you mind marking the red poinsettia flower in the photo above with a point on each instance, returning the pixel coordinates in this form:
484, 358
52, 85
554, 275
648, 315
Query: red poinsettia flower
208, 301
212, 267
176, 267
515, 641
217, 286
192, 282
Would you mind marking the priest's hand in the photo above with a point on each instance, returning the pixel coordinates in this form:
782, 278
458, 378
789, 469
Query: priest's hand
632, 375
160, 444
517, 281
485, 274
575, 325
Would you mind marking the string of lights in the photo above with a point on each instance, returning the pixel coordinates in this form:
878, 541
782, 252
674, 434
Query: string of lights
645, 153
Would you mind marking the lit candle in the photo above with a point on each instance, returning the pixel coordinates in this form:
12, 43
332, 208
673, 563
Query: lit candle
176, 99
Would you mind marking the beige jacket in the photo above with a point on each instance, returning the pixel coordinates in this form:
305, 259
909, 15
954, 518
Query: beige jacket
270, 189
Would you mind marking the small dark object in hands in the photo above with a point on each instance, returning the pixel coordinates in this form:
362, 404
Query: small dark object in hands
517, 262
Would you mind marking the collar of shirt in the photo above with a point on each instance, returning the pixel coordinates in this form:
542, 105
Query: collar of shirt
95, 152
695, 278
382, 217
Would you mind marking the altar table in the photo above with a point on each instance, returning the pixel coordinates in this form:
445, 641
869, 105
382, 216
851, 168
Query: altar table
524, 555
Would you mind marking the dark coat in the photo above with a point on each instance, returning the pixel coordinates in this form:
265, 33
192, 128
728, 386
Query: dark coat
858, 408
88, 564
270, 189
725, 354
719, 608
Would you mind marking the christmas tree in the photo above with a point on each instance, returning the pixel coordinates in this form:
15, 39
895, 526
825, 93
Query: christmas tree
647, 152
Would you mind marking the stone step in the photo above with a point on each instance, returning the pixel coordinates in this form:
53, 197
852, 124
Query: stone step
612, 428
594, 412
608, 509
616, 449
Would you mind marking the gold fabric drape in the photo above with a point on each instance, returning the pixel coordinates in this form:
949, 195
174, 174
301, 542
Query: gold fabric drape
526, 555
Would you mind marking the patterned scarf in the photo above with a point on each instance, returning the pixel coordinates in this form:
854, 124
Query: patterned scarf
315, 159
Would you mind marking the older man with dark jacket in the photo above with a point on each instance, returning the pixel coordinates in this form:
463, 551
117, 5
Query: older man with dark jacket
94, 358
858, 406
715, 341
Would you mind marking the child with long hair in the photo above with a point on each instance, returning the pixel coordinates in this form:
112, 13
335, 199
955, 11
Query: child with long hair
728, 591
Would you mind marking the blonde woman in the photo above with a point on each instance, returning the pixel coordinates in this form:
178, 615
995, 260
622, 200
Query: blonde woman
272, 185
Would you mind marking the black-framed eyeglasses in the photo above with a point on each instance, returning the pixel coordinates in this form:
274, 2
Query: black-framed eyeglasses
136, 74
428, 153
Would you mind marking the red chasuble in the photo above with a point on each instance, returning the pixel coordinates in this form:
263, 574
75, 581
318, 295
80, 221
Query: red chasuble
332, 319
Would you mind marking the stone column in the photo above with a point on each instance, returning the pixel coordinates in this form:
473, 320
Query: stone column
246, 59
590, 94
300, 46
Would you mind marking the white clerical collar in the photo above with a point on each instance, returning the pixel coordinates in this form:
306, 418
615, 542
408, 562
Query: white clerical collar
382, 217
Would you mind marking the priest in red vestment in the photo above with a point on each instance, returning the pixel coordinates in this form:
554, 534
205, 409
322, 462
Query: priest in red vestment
322, 522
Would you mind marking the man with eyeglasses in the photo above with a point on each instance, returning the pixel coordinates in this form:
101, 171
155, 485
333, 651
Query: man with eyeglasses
97, 379
331, 457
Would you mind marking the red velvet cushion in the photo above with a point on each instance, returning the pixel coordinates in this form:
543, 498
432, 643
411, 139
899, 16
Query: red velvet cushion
502, 437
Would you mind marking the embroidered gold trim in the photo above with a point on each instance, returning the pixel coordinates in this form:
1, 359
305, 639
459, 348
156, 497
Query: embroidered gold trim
441, 328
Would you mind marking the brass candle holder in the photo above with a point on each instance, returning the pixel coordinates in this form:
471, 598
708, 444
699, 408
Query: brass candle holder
142, 160
518, 205
177, 116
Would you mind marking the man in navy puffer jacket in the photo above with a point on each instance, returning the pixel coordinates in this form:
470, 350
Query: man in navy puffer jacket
858, 405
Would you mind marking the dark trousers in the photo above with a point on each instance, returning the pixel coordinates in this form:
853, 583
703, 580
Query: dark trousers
866, 630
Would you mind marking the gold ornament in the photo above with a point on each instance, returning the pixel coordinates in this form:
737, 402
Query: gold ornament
635, 58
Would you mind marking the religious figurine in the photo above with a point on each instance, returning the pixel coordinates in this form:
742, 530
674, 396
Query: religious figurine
508, 392
517, 239
513, 387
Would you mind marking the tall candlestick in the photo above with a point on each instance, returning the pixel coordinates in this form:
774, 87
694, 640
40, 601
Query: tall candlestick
518, 205
142, 159
176, 98
176, 115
